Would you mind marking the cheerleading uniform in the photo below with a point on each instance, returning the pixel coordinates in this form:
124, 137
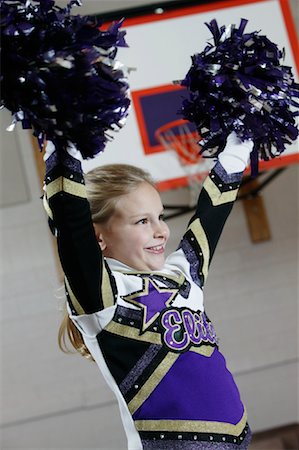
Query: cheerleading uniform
148, 331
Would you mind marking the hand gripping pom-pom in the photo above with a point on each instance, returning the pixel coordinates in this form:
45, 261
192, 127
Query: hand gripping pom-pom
238, 84
60, 75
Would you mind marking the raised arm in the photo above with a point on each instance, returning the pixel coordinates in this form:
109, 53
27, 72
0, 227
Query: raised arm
88, 281
214, 205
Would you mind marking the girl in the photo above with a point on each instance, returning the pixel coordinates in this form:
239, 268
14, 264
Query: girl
140, 316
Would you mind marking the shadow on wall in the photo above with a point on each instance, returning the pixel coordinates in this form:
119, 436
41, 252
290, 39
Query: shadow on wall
284, 438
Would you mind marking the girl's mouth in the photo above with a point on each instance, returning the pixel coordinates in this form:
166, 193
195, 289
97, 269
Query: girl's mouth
156, 249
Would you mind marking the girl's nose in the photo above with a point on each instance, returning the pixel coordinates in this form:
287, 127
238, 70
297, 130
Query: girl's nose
161, 230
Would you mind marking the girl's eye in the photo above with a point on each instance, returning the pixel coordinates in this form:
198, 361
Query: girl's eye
161, 217
142, 221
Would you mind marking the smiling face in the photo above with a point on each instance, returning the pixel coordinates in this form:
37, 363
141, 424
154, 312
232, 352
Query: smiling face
136, 234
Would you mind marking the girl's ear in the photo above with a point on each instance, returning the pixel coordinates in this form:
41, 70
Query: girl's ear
99, 236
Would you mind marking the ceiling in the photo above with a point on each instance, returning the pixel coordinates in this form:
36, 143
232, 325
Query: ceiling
103, 6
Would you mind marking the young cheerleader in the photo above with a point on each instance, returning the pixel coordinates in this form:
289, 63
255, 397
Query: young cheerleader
140, 315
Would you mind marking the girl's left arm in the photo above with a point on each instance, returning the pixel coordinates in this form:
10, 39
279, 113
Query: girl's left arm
214, 205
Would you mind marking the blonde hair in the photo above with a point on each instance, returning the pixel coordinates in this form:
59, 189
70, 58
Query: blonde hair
104, 186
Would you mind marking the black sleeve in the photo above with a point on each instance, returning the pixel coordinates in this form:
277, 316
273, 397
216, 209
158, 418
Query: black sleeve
89, 284
214, 205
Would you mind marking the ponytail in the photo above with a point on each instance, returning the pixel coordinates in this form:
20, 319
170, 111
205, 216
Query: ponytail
69, 334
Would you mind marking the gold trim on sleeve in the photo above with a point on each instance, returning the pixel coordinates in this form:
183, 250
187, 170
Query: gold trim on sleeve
62, 184
152, 382
54, 187
76, 304
47, 207
74, 188
193, 426
217, 197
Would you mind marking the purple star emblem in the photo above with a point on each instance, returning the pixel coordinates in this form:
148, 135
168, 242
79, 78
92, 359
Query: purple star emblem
152, 299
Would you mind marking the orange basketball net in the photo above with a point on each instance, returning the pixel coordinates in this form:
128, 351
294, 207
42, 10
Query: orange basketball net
178, 136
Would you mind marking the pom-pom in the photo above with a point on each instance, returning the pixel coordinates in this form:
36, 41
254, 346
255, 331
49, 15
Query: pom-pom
60, 75
238, 84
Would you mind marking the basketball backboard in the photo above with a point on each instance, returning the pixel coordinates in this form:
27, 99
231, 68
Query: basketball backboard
160, 46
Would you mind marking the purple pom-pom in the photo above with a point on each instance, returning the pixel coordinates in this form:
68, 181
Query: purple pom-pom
60, 75
238, 84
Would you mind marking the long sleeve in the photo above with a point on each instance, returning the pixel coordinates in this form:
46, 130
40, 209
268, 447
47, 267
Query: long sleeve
89, 284
214, 205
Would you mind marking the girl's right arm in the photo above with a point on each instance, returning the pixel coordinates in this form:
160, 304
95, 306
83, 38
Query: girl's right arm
88, 281
214, 205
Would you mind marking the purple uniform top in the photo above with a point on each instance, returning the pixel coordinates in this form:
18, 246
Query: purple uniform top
148, 331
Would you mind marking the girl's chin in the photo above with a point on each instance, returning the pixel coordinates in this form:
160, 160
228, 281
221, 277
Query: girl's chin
157, 263
152, 262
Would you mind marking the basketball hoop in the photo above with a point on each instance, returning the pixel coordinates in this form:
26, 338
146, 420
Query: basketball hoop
179, 136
